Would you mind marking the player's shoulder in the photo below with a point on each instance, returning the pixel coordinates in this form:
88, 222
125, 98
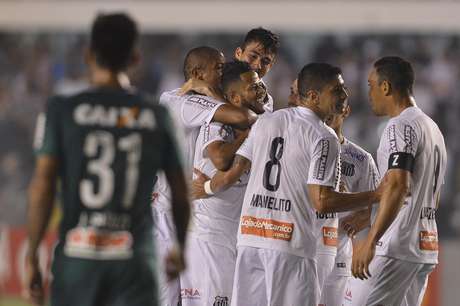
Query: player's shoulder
201, 101
170, 96
356, 152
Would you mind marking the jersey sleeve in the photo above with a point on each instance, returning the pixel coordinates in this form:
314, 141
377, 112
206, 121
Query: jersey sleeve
212, 132
171, 154
47, 131
246, 148
402, 145
325, 163
370, 180
198, 110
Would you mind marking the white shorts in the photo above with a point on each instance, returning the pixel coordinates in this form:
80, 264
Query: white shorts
325, 264
208, 279
393, 282
333, 290
269, 277
164, 234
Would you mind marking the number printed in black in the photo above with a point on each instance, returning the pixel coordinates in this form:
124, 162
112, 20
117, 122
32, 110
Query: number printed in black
276, 152
437, 165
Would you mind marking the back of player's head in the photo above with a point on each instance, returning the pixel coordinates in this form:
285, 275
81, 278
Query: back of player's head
232, 72
396, 71
315, 76
268, 39
113, 38
198, 58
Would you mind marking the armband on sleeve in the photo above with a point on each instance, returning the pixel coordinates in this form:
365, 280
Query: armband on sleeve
401, 160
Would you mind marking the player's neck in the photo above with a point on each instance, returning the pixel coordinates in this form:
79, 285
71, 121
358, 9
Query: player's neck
107, 78
400, 104
339, 133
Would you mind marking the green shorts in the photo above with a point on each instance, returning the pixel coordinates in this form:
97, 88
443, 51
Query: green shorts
85, 282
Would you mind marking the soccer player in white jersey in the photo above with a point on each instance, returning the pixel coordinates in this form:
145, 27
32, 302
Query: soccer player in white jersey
189, 112
259, 50
401, 248
211, 250
293, 156
358, 173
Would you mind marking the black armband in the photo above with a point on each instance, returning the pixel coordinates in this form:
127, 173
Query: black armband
401, 160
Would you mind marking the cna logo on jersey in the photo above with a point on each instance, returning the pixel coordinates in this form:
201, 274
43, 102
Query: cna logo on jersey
221, 301
190, 294
112, 116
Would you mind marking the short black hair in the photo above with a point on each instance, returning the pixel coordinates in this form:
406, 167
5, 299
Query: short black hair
232, 72
397, 71
113, 38
268, 39
198, 58
315, 76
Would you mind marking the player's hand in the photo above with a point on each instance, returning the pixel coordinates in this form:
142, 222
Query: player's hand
33, 283
174, 263
355, 222
198, 185
362, 256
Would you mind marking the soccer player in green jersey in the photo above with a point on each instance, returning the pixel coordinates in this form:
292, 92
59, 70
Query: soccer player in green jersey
105, 146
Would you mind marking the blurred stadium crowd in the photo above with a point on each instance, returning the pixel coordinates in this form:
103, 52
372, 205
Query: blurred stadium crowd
35, 66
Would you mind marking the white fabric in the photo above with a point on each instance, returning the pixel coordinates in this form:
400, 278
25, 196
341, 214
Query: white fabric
208, 279
216, 219
325, 264
393, 282
269, 277
188, 113
413, 234
333, 290
164, 233
288, 150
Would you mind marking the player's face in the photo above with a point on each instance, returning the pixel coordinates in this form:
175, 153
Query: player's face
334, 96
213, 72
257, 57
376, 96
294, 95
252, 92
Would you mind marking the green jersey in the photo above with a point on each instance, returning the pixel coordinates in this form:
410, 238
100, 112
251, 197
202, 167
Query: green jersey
109, 144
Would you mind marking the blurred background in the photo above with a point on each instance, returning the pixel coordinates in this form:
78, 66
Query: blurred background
41, 53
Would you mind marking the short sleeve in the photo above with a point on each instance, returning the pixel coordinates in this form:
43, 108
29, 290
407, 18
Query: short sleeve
402, 145
325, 163
370, 180
47, 131
171, 154
246, 148
214, 132
198, 110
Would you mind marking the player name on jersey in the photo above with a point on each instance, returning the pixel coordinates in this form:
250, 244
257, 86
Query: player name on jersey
112, 116
269, 202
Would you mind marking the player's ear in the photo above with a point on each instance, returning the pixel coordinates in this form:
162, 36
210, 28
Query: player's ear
347, 111
386, 87
197, 73
313, 96
238, 53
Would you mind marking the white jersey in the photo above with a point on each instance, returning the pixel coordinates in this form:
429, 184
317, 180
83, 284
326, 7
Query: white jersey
413, 141
215, 219
359, 174
288, 150
189, 113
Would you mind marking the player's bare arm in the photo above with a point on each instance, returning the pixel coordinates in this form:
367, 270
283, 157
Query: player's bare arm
222, 153
326, 200
42, 190
396, 189
222, 180
240, 118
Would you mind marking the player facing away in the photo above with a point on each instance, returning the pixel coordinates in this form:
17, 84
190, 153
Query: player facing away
189, 111
293, 156
358, 173
211, 242
105, 146
401, 248
259, 49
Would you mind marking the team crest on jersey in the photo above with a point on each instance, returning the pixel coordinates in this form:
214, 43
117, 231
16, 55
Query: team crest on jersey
221, 301
225, 131
347, 169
